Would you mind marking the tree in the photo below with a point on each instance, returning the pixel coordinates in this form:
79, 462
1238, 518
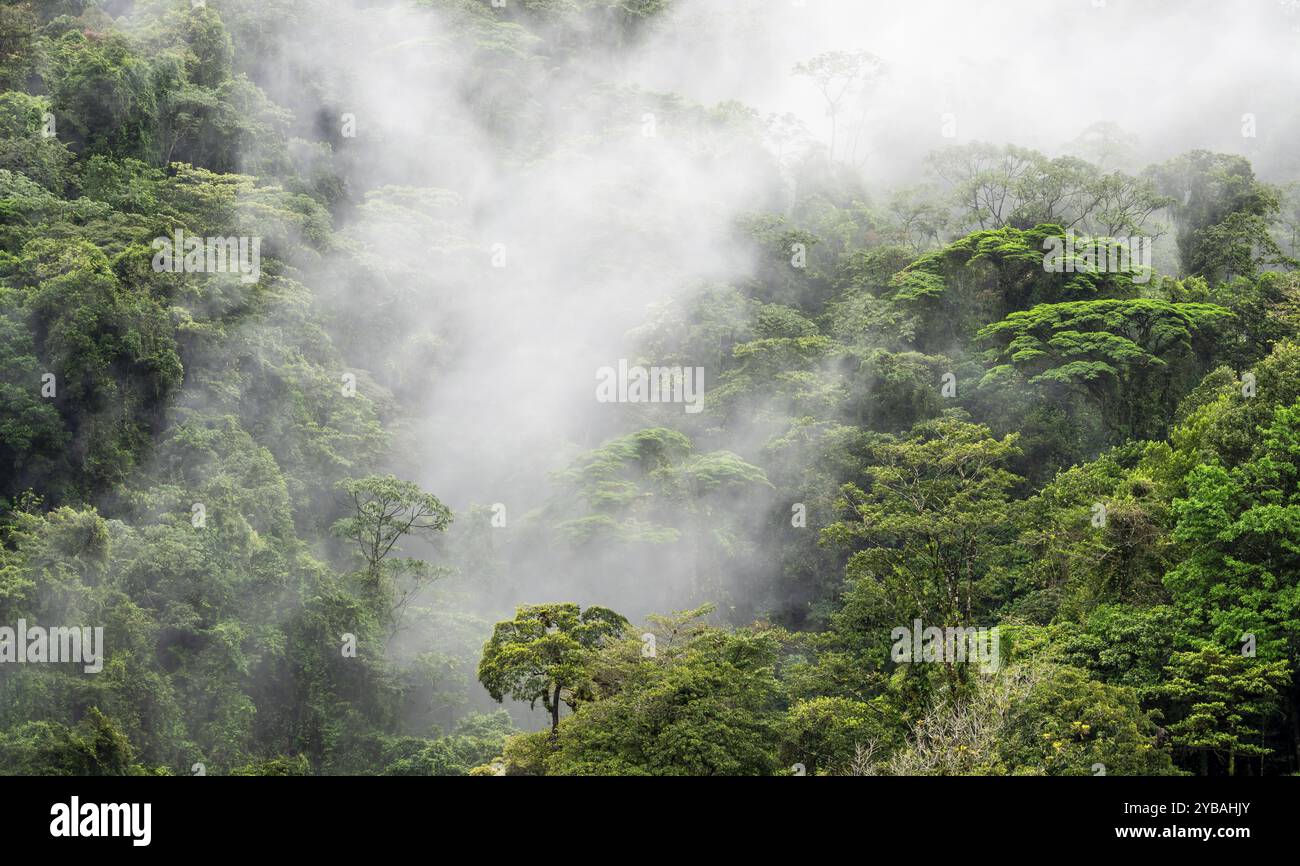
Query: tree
943, 298
926, 529
544, 654
1238, 529
18, 25
919, 216
997, 186
1123, 644
112, 352
1238, 246
826, 734
1289, 218
1131, 359
1220, 700
837, 75
1106, 145
1033, 717
210, 46
24, 148
1125, 204
383, 510
1097, 533
1068, 724
983, 180
95, 746
104, 94
475, 741
1222, 212
708, 707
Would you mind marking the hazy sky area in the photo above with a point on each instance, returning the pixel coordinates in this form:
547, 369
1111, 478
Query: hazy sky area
1177, 73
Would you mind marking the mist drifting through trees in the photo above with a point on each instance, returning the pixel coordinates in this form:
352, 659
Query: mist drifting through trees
649, 387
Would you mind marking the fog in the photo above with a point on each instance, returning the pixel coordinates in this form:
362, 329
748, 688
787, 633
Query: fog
537, 211
1178, 74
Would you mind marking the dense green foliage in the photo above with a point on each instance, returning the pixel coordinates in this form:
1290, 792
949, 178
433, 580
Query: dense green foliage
907, 418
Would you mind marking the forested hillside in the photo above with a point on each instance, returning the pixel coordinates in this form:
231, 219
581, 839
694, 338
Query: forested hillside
371, 484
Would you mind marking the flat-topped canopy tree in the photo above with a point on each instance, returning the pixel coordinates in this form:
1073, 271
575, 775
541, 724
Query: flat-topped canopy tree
1132, 358
945, 296
543, 653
